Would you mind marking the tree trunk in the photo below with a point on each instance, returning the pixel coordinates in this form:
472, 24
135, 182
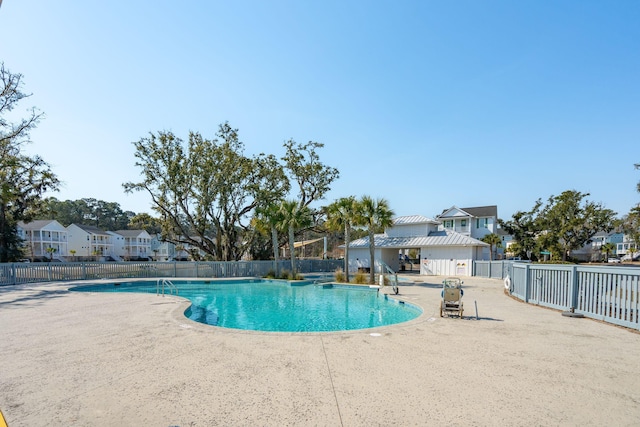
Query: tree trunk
372, 262
4, 232
347, 239
274, 241
291, 249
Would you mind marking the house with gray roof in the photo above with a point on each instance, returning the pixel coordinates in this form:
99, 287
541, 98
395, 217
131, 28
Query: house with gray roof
89, 242
161, 249
442, 251
43, 239
131, 245
475, 222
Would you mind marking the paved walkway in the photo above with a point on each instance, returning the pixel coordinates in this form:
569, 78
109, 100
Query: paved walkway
80, 359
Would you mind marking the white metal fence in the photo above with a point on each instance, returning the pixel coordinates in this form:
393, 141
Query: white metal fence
20, 273
605, 293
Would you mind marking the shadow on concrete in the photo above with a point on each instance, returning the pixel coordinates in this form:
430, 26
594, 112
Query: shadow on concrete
24, 297
484, 318
454, 318
420, 284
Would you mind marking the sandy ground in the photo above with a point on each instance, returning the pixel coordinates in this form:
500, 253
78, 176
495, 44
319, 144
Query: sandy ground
80, 359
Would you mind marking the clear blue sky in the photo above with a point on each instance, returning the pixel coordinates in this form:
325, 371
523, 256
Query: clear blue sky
428, 104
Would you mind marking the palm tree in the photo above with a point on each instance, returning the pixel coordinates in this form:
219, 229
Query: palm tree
494, 241
269, 218
341, 216
51, 251
294, 217
374, 215
608, 249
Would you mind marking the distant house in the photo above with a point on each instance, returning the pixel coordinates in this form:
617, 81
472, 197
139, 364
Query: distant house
187, 251
131, 244
442, 251
161, 249
627, 249
40, 235
89, 241
168, 251
506, 240
473, 222
592, 250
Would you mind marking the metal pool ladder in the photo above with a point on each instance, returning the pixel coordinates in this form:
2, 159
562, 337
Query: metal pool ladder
162, 283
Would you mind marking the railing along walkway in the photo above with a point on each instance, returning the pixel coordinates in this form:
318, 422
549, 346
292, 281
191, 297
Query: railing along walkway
610, 294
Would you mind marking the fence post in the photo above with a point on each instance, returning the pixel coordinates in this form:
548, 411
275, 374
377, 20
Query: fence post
573, 289
527, 283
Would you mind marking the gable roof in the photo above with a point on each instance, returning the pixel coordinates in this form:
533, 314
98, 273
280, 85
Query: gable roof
435, 238
477, 212
37, 224
502, 232
90, 229
482, 211
130, 233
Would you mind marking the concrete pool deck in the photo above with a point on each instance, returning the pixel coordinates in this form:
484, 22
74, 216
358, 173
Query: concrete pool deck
111, 359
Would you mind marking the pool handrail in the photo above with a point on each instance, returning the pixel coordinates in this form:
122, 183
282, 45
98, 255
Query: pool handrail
168, 283
389, 272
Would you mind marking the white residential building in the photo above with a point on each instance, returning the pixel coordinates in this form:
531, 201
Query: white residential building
89, 241
162, 250
44, 239
592, 251
131, 244
473, 222
506, 240
167, 251
627, 249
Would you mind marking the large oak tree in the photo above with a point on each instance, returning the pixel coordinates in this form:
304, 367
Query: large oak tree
565, 223
206, 191
23, 178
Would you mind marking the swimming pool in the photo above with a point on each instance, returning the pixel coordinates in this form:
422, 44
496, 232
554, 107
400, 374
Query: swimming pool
277, 306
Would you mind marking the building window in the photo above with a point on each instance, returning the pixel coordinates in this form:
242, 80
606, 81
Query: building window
481, 223
463, 222
448, 224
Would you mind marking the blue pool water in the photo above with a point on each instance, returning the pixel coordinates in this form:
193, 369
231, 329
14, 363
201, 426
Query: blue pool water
265, 305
